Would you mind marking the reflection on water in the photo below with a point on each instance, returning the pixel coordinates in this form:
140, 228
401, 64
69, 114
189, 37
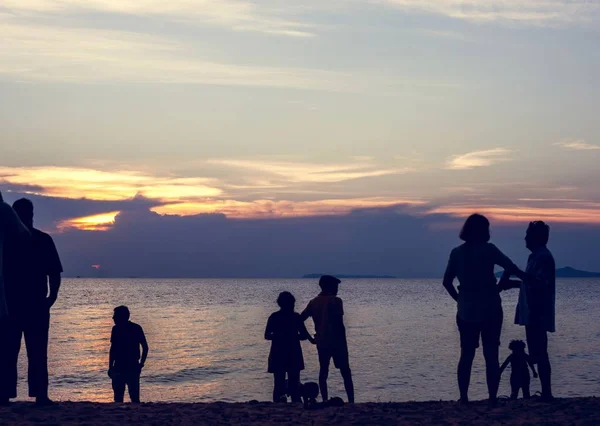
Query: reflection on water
206, 339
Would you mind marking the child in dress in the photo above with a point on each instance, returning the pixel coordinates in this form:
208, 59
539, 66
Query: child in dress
285, 329
519, 377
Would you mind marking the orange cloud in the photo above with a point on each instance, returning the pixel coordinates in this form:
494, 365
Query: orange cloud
98, 222
268, 208
583, 215
68, 182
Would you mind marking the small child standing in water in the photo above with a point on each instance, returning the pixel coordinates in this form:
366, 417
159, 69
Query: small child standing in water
285, 329
124, 364
519, 377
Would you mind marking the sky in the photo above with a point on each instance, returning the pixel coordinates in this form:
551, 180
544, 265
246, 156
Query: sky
230, 129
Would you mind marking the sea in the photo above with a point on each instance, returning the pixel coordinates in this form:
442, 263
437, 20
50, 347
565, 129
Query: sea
206, 339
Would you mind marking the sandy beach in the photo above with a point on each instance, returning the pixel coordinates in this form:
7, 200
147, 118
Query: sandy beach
574, 411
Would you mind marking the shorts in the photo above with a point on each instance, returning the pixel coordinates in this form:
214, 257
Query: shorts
489, 330
537, 342
341, 359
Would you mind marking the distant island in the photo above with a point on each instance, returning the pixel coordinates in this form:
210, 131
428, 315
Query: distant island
348, 276
568, 272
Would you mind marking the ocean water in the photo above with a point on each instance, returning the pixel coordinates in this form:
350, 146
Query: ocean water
206, 339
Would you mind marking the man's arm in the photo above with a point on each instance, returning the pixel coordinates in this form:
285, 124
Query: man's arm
305, 335
528, 358
145, 348
54, 280
505, 364
54, 271
306, 313
448, 282
111, 353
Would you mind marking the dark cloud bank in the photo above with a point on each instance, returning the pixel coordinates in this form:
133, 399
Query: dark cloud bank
391, 241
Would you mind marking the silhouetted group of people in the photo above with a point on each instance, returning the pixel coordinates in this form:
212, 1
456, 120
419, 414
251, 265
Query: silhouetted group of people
285, 329
30, 279
479, 318
480, 314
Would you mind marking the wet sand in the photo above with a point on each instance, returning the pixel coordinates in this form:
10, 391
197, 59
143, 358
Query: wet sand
573, 411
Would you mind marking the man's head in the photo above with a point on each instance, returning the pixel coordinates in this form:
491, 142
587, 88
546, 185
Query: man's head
121, 315
24, 209
476, 229
537, 235
329, 284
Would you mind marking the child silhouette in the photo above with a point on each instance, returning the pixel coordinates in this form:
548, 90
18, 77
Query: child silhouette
124, 364
285, 329
519, 377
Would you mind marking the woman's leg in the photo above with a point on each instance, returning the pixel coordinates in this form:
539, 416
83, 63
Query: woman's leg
278, 385
293, 382
467, 355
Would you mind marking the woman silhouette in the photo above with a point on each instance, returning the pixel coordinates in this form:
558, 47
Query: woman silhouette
479, 304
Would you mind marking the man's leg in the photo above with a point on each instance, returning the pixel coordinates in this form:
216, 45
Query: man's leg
348, 383
537, 340
324, 361
10, 344
133, 385
36, 342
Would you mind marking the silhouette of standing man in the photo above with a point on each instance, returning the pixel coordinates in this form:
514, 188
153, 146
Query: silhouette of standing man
30, 268
536, 307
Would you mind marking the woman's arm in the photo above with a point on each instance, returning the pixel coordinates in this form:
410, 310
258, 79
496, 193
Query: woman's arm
269, 334
449, 277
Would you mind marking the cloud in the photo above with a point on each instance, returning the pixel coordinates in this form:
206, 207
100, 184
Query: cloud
97, 222
574, 214
578, 145
535, 12
69, 182
263, 17
298, 172
477, 159
282, 208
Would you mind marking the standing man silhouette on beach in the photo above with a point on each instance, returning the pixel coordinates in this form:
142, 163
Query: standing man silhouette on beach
33, 278
537, 295
327, 312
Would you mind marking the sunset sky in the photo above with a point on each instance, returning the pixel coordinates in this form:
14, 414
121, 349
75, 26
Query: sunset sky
279, 110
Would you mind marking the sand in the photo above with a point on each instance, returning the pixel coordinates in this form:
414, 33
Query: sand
574, 411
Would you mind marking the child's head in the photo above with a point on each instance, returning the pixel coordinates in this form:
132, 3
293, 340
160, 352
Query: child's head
121, 315
517, 346
329, 284
286, 301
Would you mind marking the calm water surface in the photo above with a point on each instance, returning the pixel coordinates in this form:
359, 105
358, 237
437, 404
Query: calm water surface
206, 339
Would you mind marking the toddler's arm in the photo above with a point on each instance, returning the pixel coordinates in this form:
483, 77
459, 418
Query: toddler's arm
505, 364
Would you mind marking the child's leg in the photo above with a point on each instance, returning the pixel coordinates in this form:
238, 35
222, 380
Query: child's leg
118, 385
278, 385
133, 385
526, 393
293, 381
514, 394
